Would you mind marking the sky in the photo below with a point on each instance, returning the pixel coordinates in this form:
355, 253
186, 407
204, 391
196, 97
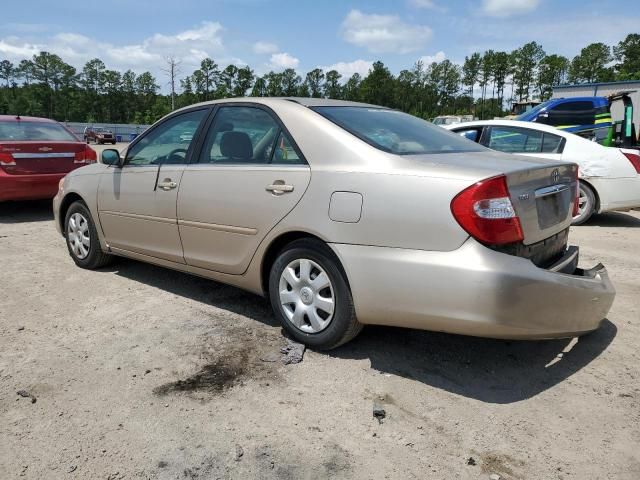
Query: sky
347, 35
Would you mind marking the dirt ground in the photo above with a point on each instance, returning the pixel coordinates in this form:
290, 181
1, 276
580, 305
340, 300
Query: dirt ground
144, 373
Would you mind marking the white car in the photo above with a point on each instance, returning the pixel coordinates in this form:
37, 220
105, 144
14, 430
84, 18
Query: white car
609, 177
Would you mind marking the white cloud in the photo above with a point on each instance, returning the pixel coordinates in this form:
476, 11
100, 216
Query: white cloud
264, 47
383, 33
429, 59
280, 61
428, 4
189, 47
507, 8
346, 69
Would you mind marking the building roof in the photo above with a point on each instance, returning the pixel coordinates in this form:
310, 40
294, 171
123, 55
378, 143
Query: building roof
596, 84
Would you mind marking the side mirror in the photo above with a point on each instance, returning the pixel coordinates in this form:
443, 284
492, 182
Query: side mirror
111, 156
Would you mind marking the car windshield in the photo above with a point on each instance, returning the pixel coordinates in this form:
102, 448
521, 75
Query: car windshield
396, 132
533, 111
18, 130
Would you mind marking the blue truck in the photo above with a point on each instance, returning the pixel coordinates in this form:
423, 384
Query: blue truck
589, 117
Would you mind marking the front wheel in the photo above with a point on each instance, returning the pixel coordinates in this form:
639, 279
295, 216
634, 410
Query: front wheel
310, 296
586, 204
82, 238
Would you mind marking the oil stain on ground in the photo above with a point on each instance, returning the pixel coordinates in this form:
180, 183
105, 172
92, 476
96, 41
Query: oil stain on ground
214, 377
229, 360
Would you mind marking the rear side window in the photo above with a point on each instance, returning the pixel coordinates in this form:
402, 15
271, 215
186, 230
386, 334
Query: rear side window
514, 140
552, 143
396, 132
247, 135
284, 153
523, 140
20, 130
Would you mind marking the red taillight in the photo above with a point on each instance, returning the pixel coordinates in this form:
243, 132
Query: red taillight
6, 159
485, 211
634, 158
576, 203
88, 155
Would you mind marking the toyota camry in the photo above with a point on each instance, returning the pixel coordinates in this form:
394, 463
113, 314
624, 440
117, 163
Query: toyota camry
343, 214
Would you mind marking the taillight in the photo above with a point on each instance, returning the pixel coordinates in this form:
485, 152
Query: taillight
6, 159
88, 155
576, 203
634, 158
485, 211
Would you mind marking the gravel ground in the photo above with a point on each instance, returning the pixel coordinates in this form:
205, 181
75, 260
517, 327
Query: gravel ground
137, 372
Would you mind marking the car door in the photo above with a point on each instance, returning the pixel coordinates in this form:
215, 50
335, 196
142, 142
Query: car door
248, 175
523, 141
137, 202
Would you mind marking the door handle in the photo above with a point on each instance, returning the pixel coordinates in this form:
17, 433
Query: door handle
279, 188
167, 184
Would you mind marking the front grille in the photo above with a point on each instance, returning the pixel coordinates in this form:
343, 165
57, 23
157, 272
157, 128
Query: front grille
543, 254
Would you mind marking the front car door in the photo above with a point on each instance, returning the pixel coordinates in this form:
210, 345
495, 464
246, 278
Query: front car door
523, 141
137, 202
249, 174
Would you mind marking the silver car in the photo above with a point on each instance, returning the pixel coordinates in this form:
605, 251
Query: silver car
343, 214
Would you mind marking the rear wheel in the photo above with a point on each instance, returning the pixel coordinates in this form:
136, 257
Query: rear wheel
82, 238
310, 295
586, 204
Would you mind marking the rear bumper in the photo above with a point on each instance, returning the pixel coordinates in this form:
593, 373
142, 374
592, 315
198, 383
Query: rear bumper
28, 187
474, 291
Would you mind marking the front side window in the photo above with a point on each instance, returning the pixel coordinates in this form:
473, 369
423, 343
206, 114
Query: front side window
19, 131
515, 140
396, 132
165, 143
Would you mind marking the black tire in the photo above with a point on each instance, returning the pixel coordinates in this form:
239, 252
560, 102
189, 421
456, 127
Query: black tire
95, 258
590, 205
344, 325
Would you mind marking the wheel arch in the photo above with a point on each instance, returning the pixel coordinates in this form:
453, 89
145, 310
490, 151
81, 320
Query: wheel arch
66, 202
279, 243
596, 208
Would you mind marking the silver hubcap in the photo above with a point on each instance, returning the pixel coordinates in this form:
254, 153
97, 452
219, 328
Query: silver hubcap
306, 295
78, 235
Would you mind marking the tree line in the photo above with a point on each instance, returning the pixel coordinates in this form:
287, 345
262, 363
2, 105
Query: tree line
485, 84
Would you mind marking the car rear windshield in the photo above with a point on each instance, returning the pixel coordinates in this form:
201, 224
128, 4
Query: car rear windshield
18, 130
396, 132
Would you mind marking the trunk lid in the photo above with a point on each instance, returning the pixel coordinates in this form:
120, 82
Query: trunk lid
543, 198
40, 157
541, 190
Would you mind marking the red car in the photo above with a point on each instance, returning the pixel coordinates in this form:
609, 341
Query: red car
35, 153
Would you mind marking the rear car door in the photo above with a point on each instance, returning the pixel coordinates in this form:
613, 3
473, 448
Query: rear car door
523, 141
137, 202
248, 176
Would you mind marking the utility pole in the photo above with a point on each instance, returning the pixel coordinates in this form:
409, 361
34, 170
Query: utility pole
172, 70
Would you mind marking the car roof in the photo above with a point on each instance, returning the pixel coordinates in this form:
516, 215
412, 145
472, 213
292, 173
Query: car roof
304, 101
17, 118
